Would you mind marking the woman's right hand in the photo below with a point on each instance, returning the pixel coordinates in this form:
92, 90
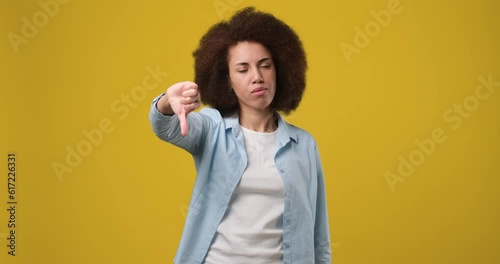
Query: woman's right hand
181, 99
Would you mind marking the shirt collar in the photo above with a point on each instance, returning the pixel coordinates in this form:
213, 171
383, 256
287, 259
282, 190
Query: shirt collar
285, 130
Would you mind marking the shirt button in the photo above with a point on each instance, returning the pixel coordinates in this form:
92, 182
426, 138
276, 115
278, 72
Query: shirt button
282, 171
286, 195
286, 245
287, 219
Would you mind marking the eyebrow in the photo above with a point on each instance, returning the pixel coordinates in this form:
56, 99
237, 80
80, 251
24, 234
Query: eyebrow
259, 62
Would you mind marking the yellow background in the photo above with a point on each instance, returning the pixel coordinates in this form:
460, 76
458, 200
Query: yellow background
126, 201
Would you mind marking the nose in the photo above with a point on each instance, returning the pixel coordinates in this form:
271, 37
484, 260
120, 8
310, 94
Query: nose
257, 76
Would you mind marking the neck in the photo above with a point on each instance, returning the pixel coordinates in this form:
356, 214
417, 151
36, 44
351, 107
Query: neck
259, 121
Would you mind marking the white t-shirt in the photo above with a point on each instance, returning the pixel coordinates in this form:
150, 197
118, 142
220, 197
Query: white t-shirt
252, 228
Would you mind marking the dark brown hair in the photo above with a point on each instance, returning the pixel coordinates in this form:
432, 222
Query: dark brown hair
289, 57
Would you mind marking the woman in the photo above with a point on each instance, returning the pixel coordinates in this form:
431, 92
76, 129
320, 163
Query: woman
259, 194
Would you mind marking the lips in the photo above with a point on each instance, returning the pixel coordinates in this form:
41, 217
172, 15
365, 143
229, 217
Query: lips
259, 90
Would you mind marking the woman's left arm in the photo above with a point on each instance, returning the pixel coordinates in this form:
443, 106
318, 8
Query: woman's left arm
321, 227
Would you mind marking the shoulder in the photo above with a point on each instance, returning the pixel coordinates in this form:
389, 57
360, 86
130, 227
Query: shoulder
208, 113
300, 135
211, 112
215, 115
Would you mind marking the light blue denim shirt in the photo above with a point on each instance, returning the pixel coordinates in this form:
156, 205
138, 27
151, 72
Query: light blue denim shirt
217, 146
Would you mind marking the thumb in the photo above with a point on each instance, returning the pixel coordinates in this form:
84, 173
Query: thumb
184, 124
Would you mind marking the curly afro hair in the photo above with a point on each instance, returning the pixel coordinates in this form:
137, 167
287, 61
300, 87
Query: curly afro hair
211, 60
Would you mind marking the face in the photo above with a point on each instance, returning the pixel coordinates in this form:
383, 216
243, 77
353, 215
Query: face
252, 76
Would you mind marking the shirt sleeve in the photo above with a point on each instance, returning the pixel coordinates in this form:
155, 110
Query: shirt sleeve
321, 227
168, 128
